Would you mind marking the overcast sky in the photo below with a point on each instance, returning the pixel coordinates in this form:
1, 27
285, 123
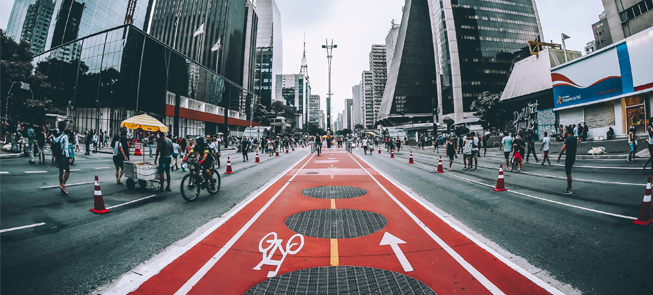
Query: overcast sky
355, 25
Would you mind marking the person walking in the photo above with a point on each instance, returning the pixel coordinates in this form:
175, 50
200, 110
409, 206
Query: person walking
118, 158
649, 133
531, 147
577, 131
451, 151
467, 152
31, 138
87, 142
125, 143
270, 146
546, 141
77, 141
364, 142
150, 143
95, 142
40, 145
164, 149
245, 146
175, 154
475, 150
570, 146
486, 137
632, 142
60, 150
518, 148
507, 148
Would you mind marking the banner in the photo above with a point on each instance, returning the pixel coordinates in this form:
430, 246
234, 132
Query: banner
199, 31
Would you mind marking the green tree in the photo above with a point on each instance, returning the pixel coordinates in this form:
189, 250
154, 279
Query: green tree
285, 111
15, 67
488, 108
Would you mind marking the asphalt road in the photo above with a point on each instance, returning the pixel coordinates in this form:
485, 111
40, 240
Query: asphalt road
536, 225
580, 243
76, 251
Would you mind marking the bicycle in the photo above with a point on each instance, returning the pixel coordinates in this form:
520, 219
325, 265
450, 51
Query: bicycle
189, 188
318, 148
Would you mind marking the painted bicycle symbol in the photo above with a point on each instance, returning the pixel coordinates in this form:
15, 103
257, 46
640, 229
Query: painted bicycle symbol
274, 243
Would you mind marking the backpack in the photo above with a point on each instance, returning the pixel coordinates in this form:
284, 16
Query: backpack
56, 146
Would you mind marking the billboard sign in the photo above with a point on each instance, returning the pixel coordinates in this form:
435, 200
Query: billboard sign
611, 73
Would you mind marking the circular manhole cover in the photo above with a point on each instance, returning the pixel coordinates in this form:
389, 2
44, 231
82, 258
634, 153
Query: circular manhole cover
336, 223
341, 280
334, 192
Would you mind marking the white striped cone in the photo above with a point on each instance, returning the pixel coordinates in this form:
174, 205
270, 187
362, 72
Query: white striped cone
410, 160
440, 169
257, 160
98, 200
500, 183
645, 213
229, 171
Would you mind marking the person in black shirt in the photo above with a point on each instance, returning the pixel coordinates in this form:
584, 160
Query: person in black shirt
244, 148
571, 145
125, 143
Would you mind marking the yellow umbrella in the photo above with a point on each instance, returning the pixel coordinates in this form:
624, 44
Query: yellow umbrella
145, 122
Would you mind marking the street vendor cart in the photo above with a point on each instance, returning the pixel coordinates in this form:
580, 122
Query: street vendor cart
142, 172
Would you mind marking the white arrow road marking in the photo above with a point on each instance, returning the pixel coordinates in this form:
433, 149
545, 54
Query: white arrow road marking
389, 239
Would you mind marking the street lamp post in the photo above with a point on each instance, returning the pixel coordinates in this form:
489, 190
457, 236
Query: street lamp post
329, 48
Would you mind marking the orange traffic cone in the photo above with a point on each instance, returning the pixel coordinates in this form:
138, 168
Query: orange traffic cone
500, 185
379, 150
293, 148
257, 161
99, 201
286, 150
277, 153
392, 153
137, 149
410, 160
645, 214
440, 170
228, 167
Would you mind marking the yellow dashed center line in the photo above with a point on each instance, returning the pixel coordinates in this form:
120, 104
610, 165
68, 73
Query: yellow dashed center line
335, 258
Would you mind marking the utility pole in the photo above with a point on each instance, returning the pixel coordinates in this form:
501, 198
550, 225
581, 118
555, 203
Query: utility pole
329, 49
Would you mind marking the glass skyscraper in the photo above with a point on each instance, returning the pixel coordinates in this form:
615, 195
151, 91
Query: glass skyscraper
269, 50
476, 42
49, 23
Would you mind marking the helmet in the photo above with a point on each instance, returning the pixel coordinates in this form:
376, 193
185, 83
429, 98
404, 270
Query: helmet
199, 140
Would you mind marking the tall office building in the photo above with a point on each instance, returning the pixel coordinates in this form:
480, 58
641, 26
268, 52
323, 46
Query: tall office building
291, 90
602, 35
625, 18
314, 109
380, 74
357, 108
50, 23
223, 20
349, 104
322, 120
391, 43
246, 101
269, 51
474, 42
367, 93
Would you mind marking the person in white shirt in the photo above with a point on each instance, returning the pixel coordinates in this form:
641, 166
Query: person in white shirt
545, 146
175, 153
365, 145
475, 150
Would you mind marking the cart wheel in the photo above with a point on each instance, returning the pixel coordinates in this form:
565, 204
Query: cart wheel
142, 183
130, 183
72, 160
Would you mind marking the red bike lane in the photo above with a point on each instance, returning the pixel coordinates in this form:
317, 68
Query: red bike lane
354, 222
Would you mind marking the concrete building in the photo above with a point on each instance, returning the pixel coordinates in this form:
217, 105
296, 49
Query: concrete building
36, 24
322, 120
473, 45
314, 109
590, 47
292, 90
357, 108
390, 43
380, 75
367, 93
626, 18
349, 104
602, 35
269, 51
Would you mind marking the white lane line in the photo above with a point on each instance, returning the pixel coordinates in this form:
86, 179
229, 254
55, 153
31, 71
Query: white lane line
75, 169
494, 253
4, 172
36, 171
477, 274
101, 168
133, 279
21, 227
123, 204
551, 201
205, 269
67, 185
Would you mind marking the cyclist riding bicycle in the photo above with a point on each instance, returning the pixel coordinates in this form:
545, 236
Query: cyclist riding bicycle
206, 159
318, 143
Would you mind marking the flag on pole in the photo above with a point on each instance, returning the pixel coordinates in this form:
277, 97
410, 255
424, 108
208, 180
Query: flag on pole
216, 46
199, 31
